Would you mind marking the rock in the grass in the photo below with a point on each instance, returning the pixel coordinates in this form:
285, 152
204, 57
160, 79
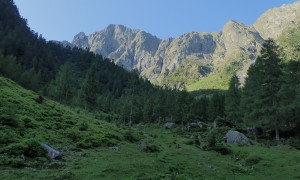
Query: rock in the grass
236, 137
169, 125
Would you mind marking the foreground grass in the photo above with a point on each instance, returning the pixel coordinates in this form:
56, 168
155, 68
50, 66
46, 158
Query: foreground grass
176, 159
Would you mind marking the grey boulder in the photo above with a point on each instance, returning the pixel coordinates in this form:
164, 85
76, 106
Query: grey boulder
236, 137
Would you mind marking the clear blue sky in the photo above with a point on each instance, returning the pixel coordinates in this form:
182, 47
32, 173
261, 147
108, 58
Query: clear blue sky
62, 19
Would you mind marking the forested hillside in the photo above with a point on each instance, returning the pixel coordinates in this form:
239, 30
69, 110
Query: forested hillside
79, 78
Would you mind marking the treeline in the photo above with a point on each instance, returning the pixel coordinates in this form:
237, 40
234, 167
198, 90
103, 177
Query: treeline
270, 99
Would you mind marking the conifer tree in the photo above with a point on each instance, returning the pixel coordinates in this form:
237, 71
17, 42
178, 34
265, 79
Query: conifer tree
89, 88
64, 81
289, 95
232, 101
260, 94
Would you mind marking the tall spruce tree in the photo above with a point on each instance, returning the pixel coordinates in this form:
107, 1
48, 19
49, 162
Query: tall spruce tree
232, 101
289, 96
89, 88
260, 94
63, 83
216, 106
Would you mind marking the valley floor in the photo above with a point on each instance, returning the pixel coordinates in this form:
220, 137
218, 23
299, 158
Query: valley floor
175, 158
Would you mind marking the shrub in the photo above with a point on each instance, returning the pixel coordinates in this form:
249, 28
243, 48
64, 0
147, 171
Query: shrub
9, 120
7, 137
252, 160
131, 137
222, 150
15, 149
28, 122
240, 155
93, 141
212, 138
39, 99
73, 135
16, 162
33, 149
29, 148
83, 126
150, 148
294, 142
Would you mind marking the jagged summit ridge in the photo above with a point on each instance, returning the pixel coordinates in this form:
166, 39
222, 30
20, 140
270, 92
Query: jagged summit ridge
273, 22
187, 55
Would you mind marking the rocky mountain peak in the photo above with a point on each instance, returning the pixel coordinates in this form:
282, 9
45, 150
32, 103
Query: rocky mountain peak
272, 23
81, 40
191, 56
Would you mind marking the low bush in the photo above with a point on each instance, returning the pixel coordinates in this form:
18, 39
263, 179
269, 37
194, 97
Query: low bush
28, 122
294, 142
73, 135
83, 126
150, 148
7, 137
39, 99
16, 162
252, 160
9, 120
29, 148
222, 150
94, 141
131, 137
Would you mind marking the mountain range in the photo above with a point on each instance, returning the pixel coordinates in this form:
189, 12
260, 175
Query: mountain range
195, 60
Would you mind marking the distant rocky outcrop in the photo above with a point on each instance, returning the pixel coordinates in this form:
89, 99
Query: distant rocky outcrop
272, 23
63, 43
176, 62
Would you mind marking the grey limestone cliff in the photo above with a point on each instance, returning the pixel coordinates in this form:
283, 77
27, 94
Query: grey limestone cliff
193, 55
273, 22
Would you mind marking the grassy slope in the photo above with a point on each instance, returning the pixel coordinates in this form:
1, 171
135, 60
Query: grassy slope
289, 40
22, 118
212, 81
182, 161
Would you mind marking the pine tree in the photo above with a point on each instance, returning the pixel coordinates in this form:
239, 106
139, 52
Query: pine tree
182, 107
289, 95
232, 101
64, 81
89, 88
148, 111
260, 94
216, 106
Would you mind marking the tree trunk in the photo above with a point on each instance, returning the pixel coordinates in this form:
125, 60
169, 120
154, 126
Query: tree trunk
254, 134
277, 132
130, 117
159, 118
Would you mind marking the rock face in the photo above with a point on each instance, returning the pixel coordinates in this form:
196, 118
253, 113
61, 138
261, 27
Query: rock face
81, 40
191, 56
156, 59
272, 23
236, 137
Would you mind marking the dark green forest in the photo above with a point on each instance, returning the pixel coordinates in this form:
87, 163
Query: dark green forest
268, 102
